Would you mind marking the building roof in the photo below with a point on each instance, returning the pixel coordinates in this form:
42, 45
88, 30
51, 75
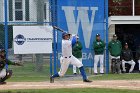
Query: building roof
124, 20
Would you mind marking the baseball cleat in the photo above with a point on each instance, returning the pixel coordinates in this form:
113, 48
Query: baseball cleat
51, 80
95, 73
86, 80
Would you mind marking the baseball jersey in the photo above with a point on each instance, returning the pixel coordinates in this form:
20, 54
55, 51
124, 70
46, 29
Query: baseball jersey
98, 47
115, 48
126, 55
67, 46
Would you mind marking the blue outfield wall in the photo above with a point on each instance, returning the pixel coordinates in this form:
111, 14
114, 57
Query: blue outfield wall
85, 18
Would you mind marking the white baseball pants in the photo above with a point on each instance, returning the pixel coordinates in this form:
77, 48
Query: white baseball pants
74, 67
2, 73
98, 58
118, 57
139, 64
65, 64
132, 63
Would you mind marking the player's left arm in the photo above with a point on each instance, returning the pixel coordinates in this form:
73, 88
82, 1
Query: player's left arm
73, 41
14, 63
103, 44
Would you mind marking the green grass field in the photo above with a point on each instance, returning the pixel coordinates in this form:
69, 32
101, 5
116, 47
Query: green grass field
76, 90
133, 76
28, 73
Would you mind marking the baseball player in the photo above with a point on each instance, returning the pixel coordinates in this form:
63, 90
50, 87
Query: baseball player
115, 48
68, 58
77, 52
98, 46
5, 74
127, 57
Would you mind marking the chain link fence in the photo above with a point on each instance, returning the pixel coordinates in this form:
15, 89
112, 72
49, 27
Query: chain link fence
26, 13
29, 13
36, 67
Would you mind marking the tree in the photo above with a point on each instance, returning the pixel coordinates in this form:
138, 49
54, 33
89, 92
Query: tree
120, 7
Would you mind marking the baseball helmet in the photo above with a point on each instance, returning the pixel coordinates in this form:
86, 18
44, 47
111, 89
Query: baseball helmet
64, 34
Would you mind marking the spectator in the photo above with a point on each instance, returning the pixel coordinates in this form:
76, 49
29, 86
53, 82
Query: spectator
98, 46
115, 48
127, 57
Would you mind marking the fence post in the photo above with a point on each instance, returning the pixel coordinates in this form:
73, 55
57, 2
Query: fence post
6, 29
107, 52
51, 64
54, 36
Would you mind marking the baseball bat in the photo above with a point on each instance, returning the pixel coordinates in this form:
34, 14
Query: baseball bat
57, 28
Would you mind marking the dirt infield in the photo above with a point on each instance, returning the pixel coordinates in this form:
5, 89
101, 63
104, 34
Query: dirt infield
114, 84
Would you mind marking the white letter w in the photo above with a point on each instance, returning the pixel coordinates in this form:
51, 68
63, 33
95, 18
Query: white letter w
83, 17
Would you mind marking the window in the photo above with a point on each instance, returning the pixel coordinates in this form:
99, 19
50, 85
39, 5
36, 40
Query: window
18, 10
137, 7
46, 12
10, 10
18, 15
18, 4
27, 18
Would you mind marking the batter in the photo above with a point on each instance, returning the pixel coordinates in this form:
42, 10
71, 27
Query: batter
68, 58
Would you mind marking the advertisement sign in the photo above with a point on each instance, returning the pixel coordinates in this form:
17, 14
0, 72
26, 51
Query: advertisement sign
32, 39
85, 18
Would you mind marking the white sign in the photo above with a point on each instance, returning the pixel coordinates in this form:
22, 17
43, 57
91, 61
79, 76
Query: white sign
32, 39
